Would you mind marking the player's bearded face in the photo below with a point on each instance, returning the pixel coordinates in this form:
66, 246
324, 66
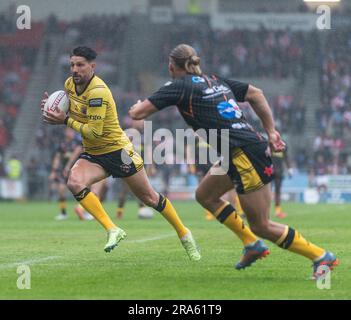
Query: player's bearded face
81, 70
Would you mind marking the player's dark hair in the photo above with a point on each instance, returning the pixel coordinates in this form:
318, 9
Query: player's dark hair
185, 57
84, 52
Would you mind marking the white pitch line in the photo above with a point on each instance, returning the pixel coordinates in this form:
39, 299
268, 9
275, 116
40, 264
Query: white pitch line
26, 262
152, 239
36, 261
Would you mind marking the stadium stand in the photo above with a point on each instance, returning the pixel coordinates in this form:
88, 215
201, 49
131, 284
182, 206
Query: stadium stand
331, 145
272, 56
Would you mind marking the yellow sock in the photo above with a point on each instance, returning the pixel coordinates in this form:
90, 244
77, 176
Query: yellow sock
226, 214
119, 213
278, 209
92, 204
166, 208
238, 207
62, 204
293, 241
209, 215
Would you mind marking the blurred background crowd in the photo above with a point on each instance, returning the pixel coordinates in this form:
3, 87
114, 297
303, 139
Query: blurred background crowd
273, 56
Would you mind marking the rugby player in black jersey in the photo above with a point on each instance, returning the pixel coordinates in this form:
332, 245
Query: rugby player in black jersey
211, 103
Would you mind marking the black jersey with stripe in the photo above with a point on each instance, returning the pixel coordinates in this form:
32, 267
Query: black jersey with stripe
209, 103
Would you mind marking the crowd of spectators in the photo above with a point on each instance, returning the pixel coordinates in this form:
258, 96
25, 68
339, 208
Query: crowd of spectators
239, 54
288, 112
106, 34
15, 69
243, 53
332, 144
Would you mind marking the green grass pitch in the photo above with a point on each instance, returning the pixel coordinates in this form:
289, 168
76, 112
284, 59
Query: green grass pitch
67, 260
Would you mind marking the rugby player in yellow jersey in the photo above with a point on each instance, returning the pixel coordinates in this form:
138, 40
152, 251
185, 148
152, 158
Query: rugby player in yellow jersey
107, 150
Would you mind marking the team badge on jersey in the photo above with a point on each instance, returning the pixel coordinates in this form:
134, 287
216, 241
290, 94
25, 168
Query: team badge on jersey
229, 110
97, 102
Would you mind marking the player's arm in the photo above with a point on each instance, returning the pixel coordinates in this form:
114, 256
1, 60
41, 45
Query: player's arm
142, 109
168, 95
96, 113
247, 92
261, 107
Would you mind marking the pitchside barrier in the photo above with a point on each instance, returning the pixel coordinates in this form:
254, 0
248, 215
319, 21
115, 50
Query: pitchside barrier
11, 189
300, 188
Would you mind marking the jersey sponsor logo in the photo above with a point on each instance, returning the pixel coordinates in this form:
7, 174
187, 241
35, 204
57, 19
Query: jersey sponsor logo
229, 110
97, 102
197, 79
215, 91
95, 117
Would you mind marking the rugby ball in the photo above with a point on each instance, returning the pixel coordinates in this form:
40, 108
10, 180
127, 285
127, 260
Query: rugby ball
57, 100
145, 213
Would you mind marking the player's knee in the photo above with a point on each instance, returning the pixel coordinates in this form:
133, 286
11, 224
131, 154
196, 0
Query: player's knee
200, 197
206, 200
75, 183
149, 199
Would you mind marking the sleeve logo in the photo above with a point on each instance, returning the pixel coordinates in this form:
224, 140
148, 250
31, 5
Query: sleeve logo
97, 102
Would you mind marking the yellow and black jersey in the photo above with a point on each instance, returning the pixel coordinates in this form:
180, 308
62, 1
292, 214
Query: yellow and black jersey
93, 114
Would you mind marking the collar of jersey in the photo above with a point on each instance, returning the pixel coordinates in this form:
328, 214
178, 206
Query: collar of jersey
86, 86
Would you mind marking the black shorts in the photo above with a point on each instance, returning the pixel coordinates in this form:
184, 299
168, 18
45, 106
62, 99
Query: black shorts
250, 167
120, 164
